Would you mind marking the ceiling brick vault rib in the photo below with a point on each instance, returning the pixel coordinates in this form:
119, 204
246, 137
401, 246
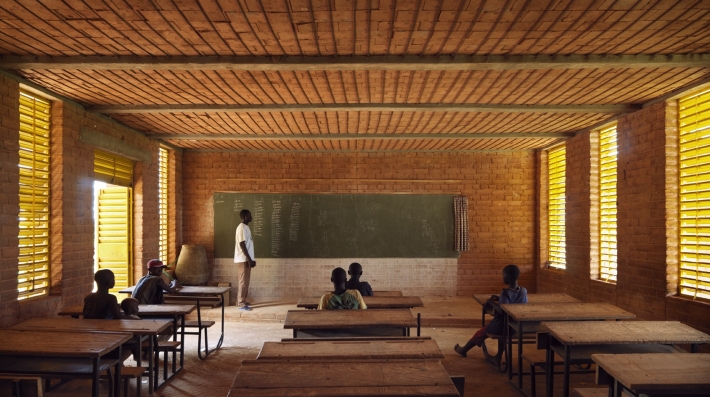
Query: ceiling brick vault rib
376, 62
464, 108
336, 137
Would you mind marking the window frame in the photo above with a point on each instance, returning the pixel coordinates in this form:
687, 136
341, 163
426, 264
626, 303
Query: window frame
163, 204
608, 268
556, 204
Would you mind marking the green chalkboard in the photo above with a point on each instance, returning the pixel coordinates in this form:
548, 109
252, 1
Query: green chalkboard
338, 225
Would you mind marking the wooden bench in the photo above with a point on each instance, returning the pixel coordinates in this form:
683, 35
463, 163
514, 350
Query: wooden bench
363, 338
165, 347
496, 359
591, 392
205, 301
314, 350
15, 379
128, 373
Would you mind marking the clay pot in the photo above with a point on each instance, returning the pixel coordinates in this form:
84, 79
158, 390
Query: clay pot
191, 267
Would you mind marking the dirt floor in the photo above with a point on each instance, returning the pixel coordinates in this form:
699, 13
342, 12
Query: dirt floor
214, 376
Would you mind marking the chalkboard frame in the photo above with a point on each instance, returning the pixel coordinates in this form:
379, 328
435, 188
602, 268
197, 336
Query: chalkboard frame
377, 226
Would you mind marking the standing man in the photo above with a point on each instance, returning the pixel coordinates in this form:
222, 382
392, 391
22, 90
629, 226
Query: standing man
244, 258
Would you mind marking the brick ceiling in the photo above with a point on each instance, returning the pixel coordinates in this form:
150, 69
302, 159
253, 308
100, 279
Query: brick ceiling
200, 74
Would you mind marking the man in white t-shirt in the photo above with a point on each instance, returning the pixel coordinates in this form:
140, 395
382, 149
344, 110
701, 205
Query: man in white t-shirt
244, 258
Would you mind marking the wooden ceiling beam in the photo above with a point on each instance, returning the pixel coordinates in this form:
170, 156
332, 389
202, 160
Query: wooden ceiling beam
350, 136
377, 62
463, 108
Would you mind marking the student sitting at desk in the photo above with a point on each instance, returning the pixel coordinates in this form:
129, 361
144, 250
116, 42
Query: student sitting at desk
130, 308
100, 304
355, 271
341, 298
513, 294
149, 289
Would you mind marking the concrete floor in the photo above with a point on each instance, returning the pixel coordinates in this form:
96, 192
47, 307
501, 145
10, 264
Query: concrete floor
214, 376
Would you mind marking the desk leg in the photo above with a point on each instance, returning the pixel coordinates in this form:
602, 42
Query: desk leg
509, 350
565, 379
117, 389
693, 347
139, 363
199, 333
520, 354
221, 337
175, 324
550, 370
483, 316
151, 348
295, 333
182, 341
95, 380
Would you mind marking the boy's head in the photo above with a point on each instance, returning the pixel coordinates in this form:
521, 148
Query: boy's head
104, 279
130, 306
155, 267
245, 215
355, 270
338, 276
511, 273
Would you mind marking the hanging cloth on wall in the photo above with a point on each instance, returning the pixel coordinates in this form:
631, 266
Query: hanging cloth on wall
461, 224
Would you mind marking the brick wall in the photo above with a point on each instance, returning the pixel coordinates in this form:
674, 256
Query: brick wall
9, 199
72, 224
647, 222
500, 188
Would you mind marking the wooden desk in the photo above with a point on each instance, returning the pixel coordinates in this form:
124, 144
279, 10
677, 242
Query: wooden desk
69, 350
372, 302
375, 293
348, 319
520, 315
369, 378
583, 338
197, 291
532, 298
174, 312
142, 328
315, 350
654, 374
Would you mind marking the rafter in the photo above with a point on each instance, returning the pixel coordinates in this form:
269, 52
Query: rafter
381, 62
353, 136
464, 108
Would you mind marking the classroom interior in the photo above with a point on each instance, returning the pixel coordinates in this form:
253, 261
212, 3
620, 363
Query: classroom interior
508, 104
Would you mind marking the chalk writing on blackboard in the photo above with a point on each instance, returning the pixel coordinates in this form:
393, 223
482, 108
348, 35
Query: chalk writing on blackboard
258, 217
294, 221
276, 229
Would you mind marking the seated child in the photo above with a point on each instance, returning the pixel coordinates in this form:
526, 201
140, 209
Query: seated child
512, 294
149, 289
130, 308
100, 304
341, 298
355, 271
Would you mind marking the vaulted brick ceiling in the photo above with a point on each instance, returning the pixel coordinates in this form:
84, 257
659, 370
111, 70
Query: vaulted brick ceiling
358, 74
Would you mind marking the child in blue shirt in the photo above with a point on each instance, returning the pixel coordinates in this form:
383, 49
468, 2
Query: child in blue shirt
513, 294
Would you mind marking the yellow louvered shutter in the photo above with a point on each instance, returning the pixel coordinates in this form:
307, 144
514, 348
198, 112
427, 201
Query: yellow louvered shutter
694, 123
115, 234
112, 169
33, 271
163, 203
608, 159
556, 207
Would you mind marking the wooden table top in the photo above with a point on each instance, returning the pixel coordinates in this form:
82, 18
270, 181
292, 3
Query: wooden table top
373, 302
565, 312
648, 373
314, 350
145, 310
534, 298
379, 294
136, 327
59, 344
625, 332
188, 290
350, 378
333, 319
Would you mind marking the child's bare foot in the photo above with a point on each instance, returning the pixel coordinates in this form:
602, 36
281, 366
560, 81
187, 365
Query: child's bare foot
459, 350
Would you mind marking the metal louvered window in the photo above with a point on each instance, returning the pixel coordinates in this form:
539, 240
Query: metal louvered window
33, 270
556, 206
608, 160
113, 169
694, 123
163, 203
